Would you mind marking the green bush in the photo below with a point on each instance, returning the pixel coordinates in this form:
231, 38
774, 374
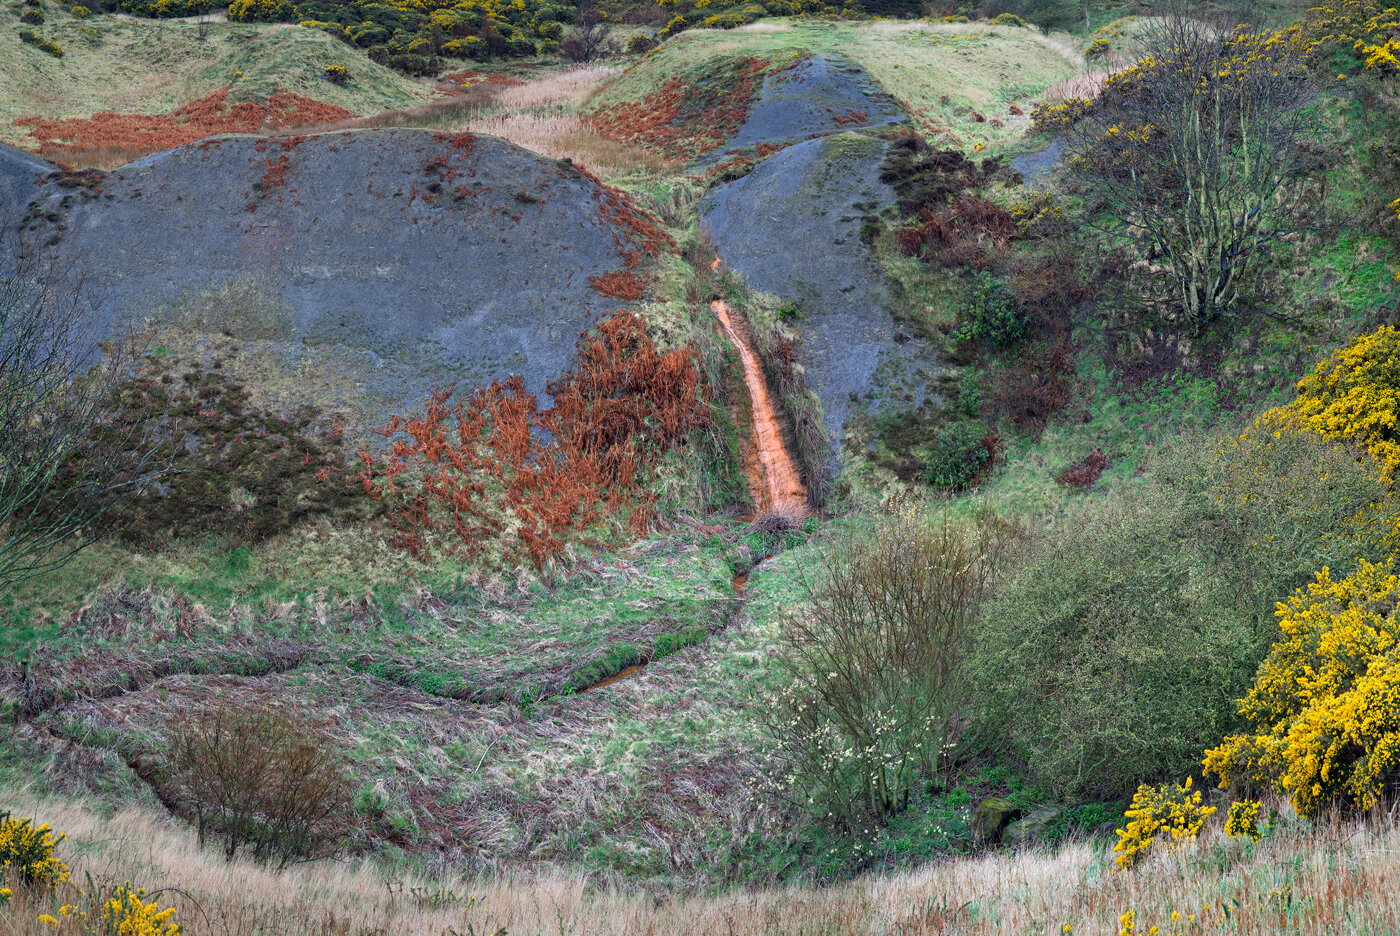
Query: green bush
959, 455
993, 317
874, 687
32, 18
1117, 653
80, 12
640, 43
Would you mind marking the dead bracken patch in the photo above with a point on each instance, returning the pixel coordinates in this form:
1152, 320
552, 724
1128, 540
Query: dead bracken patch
685, 119
622, 405
1085, 473
621, 284
153, 133
470, 77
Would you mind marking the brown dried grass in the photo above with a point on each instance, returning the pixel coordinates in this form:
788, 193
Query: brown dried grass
1328, 879
564, 135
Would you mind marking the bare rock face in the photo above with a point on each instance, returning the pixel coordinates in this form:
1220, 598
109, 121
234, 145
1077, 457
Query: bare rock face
375, 265
20, 175
819, 95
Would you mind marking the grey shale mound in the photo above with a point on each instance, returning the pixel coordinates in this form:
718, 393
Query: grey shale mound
793, 228
367, 267
818, 96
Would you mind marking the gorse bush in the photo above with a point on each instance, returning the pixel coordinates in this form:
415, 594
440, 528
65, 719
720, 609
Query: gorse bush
39, 42
118, 912
1160, 816
127, 913
1243, 820
1353, 395
1132, 632
992, 316
410, 34
27, 852
263, 778
959, 455
875, 687
1326, 703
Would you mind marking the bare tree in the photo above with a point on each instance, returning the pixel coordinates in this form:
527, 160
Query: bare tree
261, 776
1197, 154
591, 38
62, 465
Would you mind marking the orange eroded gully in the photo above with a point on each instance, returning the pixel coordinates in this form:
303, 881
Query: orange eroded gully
778, 485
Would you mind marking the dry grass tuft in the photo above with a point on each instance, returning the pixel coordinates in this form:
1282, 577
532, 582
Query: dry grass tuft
1332, 878
564, 135
569, 86
1081, 86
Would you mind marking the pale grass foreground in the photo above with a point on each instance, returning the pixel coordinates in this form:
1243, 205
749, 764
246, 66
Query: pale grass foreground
1334, 878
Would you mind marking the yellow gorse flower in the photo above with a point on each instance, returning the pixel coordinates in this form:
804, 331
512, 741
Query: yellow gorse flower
127, 914
1171, 811
1354, 395
1242, 820
1326, 701
28, 851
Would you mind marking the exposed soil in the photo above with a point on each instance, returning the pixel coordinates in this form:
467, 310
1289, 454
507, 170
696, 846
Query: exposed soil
793, 228
774, 480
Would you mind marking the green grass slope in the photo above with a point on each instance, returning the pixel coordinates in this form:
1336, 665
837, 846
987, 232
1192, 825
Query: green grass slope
945, 74
152, 67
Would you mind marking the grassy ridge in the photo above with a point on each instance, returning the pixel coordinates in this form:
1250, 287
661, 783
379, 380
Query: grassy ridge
152, 67
942, 73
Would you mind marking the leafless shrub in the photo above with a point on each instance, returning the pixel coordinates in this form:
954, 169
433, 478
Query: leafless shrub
56, 377
591, 38
777, 522
263, 778
874, 662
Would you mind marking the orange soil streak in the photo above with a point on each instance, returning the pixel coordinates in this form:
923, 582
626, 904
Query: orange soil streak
614, 678
778, 485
